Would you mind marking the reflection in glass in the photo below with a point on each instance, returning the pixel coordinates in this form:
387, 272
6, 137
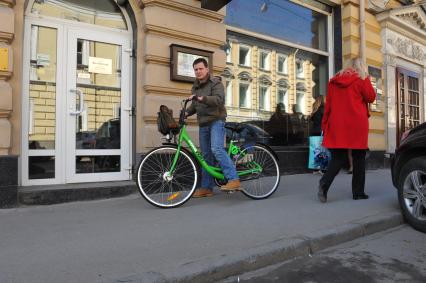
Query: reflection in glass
99, 78
97, 164
42, 96
41, 167
282, 19
98, 12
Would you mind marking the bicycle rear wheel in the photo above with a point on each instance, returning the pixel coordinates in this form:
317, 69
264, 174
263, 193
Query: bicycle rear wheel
264, 181
158, 186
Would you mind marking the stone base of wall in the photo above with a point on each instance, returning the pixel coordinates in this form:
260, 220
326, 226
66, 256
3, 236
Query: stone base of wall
8, 181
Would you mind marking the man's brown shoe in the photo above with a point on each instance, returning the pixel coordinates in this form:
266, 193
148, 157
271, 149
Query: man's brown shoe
233, 185
202, 192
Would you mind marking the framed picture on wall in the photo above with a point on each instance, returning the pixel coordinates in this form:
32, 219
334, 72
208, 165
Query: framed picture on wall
181, 59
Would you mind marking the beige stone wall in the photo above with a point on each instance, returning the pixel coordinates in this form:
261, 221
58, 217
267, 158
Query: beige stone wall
374, 58
161, 23
7, 34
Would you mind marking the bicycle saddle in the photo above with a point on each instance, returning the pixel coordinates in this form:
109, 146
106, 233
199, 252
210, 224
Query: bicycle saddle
235, 127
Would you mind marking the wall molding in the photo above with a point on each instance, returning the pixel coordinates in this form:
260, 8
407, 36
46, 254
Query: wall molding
183, 8
376, 131
159, 60
154, 29
6, 37
9, 3
5, 75
151, 89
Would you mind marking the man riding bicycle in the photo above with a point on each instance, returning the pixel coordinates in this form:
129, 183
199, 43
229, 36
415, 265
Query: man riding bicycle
208, 101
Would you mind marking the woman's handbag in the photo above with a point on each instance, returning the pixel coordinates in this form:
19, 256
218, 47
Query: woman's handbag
319, 156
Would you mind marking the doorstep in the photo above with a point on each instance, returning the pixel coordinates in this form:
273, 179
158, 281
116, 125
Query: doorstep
54, 194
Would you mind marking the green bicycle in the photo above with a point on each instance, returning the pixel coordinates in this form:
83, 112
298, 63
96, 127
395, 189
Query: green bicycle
168, 175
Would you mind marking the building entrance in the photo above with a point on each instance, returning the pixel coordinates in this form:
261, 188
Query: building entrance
76, 97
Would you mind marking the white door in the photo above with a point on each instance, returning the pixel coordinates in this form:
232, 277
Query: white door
77, 96
97, 122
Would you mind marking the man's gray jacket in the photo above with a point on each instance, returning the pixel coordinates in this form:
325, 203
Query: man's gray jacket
212, 107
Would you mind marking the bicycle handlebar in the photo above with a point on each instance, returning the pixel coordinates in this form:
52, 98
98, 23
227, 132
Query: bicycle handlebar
183, 110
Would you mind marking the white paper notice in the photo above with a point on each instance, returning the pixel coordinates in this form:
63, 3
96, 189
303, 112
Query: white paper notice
100, 65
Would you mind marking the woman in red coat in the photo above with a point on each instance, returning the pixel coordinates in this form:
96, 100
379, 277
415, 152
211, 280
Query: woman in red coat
345, 126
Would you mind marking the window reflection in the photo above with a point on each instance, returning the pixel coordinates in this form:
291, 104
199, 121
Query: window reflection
42, 94
281, 101
281, 19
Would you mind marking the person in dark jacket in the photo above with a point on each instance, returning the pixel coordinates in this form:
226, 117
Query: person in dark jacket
316, 116
208, 97
345, 126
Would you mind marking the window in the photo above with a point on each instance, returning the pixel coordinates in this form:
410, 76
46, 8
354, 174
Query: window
264, 60
245, 54
300, 103
244, 95
264, 98
282, 64
228, 94
229, 54
282, 97
299, 69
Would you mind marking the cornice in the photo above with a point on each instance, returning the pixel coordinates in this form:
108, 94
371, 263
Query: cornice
183, 8
9, 3
183, 35
6, 37
150, 89
5, 75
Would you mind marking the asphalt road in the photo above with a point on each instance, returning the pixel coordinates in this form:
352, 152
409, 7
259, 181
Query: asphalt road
395, 255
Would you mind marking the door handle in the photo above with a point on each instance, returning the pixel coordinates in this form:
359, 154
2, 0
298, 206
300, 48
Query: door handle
81, 97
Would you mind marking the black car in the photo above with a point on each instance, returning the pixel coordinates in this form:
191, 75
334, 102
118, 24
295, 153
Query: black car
409, 176
248, 132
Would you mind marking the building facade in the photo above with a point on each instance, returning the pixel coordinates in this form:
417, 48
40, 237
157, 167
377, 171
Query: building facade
81, 83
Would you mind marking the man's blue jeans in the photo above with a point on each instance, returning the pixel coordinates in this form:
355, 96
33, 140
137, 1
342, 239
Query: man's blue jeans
212, 138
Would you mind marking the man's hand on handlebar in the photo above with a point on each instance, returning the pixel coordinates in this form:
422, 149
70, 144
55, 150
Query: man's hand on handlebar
195, 97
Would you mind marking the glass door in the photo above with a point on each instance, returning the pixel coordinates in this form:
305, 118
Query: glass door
97, 97
408, 97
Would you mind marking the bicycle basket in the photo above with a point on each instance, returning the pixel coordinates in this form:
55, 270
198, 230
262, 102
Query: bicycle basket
165, 121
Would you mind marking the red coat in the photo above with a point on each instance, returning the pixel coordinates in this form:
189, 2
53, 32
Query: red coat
345, 120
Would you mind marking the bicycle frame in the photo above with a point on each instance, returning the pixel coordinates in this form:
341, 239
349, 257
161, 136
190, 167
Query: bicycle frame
215, 172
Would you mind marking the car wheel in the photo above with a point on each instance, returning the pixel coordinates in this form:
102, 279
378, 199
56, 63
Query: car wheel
412, 192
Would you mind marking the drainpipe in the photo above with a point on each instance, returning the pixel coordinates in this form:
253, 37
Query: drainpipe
362, 30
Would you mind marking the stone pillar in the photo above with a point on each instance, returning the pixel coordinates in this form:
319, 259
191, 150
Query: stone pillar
8, 163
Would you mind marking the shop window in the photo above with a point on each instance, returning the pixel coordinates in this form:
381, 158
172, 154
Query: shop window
244, 95
282, 64
228, 94
245, 54
264, 60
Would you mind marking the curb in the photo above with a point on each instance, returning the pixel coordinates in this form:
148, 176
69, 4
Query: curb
216, 268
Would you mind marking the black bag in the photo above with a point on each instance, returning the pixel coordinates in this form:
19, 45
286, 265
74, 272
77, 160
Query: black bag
165, 121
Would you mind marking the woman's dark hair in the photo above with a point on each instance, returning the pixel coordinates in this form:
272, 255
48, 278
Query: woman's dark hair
200, 60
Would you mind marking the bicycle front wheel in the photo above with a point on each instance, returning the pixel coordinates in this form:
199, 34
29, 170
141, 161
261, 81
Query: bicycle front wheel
264, 176
162, 188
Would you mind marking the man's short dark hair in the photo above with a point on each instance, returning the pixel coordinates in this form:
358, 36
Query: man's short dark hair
200, 60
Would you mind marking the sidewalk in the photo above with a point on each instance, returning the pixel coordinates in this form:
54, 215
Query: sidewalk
128, 240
